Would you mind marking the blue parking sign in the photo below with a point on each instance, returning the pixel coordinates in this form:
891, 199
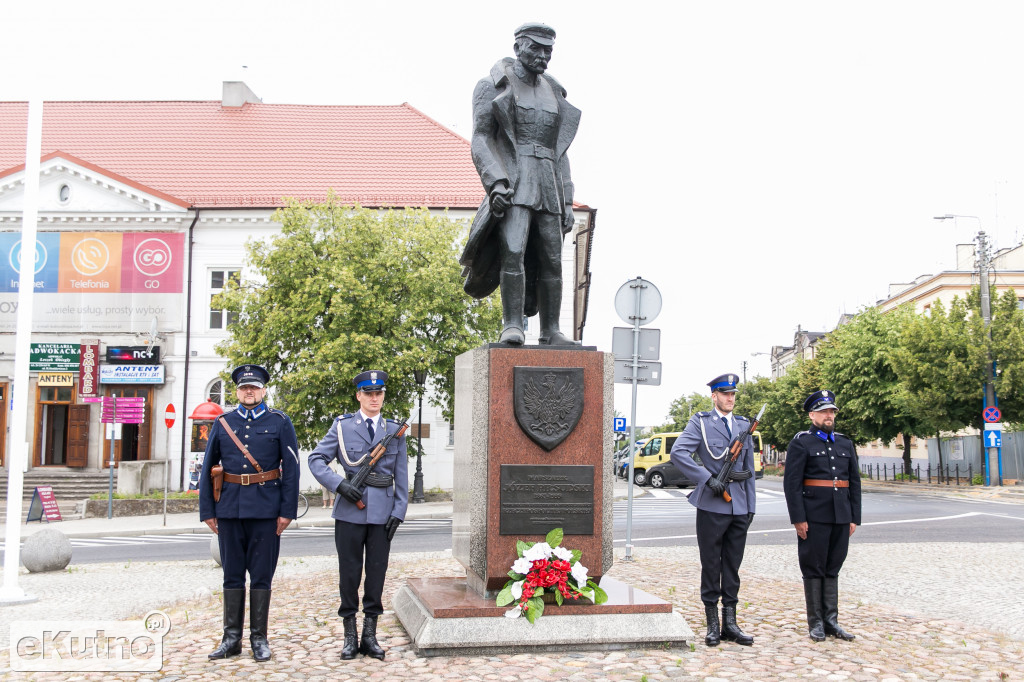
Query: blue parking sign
619, 424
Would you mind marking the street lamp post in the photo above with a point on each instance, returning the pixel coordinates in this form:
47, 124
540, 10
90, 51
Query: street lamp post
417, 486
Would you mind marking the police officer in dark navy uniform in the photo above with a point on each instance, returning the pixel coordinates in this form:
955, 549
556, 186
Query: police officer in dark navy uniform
822, 484
257, 502
721, 526
350, 441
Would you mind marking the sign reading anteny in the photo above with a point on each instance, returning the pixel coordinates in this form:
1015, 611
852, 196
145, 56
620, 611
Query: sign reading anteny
131, 374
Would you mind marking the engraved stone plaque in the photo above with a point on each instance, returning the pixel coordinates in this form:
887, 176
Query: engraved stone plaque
535, 499
548, 402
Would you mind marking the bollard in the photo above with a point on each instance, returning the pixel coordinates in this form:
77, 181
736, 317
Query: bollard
919, 472
928, 469
970, 474
956, 470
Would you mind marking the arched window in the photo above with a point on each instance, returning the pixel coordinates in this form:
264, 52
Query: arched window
215, 392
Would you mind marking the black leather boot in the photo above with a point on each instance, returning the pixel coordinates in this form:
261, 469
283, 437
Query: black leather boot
831, 602
234, 613
513, 292
714, 635
549, 302
730, 630
368, 644
259, 613
348, 652
812, 597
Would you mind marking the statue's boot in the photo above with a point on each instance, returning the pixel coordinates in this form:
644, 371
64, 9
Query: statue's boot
812, 597
830, 595
234, 613
513, 293
549, 303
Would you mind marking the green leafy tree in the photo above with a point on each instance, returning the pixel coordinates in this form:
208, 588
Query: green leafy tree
785, 417
682, 408
343, 289
860, 361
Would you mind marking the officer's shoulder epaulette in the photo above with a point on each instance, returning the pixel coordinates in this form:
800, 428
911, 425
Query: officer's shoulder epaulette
840, 435
279, 413
345, 416
231, 411
802, 433
742, 418
394, 421
703, 414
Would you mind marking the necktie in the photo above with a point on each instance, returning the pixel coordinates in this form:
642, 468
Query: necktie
369, 427
725, 420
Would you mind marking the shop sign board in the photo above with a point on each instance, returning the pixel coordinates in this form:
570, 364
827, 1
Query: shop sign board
89, 369
56, 379
54, 357
131, 374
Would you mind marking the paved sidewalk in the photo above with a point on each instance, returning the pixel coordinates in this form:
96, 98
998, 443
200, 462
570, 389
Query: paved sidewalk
913, 618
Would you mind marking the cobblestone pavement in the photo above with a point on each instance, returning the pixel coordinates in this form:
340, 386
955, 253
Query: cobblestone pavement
928, 611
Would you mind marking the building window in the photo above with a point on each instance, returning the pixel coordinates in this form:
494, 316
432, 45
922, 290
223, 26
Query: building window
220, 318
216, 392
451, 435
64, 194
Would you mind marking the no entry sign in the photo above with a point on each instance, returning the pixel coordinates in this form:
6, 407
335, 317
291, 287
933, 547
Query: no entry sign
169, 415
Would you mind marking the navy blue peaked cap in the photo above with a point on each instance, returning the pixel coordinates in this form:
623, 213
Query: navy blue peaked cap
820, 400
371, 380
250, 375
726, 383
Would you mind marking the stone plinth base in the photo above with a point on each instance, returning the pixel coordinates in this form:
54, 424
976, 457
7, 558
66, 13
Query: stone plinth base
444, 616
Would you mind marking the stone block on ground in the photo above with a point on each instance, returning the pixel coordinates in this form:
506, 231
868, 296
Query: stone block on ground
46, 550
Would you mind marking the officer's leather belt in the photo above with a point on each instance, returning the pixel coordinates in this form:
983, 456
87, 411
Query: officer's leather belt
376, 480
249, 479
540, 151
826, 484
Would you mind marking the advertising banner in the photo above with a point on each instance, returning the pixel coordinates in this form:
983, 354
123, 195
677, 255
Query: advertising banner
131, 374
96, 281
89, 369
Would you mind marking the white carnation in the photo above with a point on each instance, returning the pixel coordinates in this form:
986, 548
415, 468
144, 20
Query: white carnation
522, 566
579, 572
514, 612
562, 553
517, 589
539, 551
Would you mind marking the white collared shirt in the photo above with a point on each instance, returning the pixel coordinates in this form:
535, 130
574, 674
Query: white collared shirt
376, 420
727, 418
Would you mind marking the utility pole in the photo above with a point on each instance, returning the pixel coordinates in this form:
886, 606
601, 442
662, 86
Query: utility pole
984, 256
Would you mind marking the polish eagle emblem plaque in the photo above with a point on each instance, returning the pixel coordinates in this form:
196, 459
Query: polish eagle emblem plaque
548, 402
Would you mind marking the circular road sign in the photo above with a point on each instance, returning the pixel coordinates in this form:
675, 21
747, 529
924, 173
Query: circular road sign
649, 304
169, 415
991, 414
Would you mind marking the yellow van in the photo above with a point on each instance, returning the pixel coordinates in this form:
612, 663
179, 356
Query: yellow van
655, 451
659, 446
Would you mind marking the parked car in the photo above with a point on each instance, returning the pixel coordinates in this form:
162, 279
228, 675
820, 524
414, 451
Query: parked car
668, 474
758, 454
654, 452
622, 459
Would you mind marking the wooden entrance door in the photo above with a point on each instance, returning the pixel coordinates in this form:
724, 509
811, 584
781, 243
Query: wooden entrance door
51, 437
134, 443
78, 436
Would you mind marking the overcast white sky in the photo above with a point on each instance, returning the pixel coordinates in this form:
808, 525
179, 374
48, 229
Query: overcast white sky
765, 164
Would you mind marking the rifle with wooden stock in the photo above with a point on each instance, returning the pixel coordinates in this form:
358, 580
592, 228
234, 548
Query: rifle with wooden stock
359, 479
733, 453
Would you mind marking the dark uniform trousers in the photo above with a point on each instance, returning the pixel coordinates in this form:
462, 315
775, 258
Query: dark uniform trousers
822, 554
721, 539
248, 545
352, 541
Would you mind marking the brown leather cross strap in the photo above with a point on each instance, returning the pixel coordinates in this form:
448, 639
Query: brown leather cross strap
826, 484
245, 450
248, 479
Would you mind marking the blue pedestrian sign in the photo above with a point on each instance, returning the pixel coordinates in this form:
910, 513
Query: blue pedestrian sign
619, 425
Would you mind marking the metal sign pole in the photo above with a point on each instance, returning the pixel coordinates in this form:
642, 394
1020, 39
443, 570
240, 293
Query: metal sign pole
632, 423
110, 463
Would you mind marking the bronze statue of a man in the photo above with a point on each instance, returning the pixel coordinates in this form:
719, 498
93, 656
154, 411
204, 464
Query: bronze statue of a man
522, 127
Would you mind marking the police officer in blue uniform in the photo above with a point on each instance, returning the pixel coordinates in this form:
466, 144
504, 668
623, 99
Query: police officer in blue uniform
822, 484
721, 526
350, 441
257, 502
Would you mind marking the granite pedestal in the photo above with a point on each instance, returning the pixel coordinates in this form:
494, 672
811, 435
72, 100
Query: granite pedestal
509, 482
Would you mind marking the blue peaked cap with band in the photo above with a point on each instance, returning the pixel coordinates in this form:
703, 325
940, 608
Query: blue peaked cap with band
371, 380
820, 400
250, 375
725, 383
